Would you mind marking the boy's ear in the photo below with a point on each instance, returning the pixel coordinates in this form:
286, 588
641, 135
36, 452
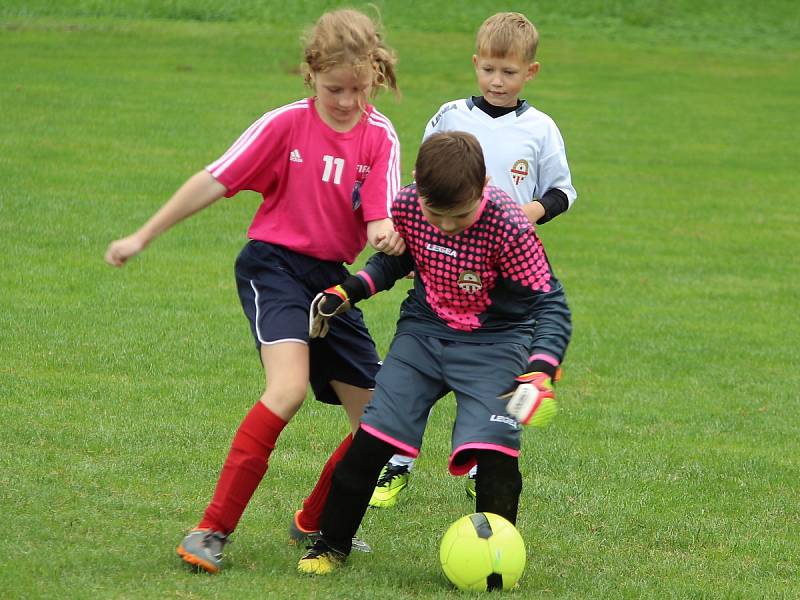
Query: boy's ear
475, 60
533, 69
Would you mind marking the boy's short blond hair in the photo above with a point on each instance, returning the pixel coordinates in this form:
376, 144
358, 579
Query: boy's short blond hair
507, 34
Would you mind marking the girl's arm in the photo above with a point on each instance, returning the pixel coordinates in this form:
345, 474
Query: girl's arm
199, 191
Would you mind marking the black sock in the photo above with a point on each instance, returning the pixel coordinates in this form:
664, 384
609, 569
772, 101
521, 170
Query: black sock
498, 484
352, 484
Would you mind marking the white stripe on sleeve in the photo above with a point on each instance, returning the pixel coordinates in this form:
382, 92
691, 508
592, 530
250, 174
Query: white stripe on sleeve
218, 167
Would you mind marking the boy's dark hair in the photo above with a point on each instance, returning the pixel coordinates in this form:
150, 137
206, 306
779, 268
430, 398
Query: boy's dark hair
450, 169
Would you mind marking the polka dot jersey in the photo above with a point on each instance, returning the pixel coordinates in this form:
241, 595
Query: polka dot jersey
485, 279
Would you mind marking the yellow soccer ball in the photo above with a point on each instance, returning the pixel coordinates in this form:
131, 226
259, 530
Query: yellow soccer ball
482, 551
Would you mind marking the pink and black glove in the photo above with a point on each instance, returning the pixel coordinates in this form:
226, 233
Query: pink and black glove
532, 400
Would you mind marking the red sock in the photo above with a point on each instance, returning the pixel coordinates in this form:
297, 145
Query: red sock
309, 518
244, 468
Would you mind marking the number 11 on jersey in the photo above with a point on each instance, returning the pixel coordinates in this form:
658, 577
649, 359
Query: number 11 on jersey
330, 163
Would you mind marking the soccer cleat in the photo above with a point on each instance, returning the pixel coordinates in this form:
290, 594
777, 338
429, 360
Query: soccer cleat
321, 559
393, 480
469, 486
202, 548
298, 535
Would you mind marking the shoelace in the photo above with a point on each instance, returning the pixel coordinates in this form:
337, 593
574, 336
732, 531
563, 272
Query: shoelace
391, 473
220, 539
317, 549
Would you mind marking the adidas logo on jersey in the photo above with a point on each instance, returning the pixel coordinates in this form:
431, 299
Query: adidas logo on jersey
294, 156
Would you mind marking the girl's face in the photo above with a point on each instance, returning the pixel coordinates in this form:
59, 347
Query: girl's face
341, 95
501, 79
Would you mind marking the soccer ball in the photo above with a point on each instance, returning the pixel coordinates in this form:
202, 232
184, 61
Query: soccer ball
482, 551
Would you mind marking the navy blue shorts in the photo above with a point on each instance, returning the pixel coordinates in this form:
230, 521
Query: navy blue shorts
419, 369
276, 287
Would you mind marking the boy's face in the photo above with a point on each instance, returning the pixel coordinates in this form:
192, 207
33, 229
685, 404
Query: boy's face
454, 220
501, 79
341, 95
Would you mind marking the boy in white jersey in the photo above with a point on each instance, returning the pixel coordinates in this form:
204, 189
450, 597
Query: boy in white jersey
484, 296
327, 168
523, 150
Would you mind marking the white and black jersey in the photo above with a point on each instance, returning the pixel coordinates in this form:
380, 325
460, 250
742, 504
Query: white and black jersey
523, 149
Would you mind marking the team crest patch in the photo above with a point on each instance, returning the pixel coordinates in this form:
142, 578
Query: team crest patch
519, 171
356, 195
469, 281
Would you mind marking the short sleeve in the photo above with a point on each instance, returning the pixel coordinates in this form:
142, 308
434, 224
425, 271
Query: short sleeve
249, 163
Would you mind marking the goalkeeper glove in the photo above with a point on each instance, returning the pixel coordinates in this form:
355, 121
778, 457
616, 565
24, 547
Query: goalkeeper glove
532, 400
331, 302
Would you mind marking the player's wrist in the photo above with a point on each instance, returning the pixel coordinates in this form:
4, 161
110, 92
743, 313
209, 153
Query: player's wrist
534, 211
542, 366
355, 289
339, 292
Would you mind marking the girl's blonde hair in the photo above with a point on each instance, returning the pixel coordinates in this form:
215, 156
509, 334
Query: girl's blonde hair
349, 37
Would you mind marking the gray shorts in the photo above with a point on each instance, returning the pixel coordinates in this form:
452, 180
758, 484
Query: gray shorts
419, 370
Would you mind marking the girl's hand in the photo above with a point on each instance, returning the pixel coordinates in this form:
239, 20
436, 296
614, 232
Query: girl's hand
384, 238
119, 251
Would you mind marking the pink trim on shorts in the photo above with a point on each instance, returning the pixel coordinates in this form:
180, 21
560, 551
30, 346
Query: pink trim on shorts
405, 449
365, 276
545, 357
463, 469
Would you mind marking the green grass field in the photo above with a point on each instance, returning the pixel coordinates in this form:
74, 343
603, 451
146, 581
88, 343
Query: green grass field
673, 468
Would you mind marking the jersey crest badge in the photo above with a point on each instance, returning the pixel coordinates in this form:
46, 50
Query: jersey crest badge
470, 282
519, 171
356, 195
361, 174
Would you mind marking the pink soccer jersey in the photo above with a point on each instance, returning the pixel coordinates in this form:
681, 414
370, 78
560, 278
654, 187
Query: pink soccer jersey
319, 186
462, 274
492, 282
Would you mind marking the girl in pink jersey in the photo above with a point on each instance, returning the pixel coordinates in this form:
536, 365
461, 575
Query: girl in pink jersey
328, 168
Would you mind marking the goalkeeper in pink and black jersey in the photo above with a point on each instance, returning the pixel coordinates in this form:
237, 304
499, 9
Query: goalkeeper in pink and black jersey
484, 297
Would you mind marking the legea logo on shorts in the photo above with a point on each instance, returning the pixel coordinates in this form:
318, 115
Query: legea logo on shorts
504, 419
469, 281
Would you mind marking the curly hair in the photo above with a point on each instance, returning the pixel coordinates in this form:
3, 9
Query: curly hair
349, 37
